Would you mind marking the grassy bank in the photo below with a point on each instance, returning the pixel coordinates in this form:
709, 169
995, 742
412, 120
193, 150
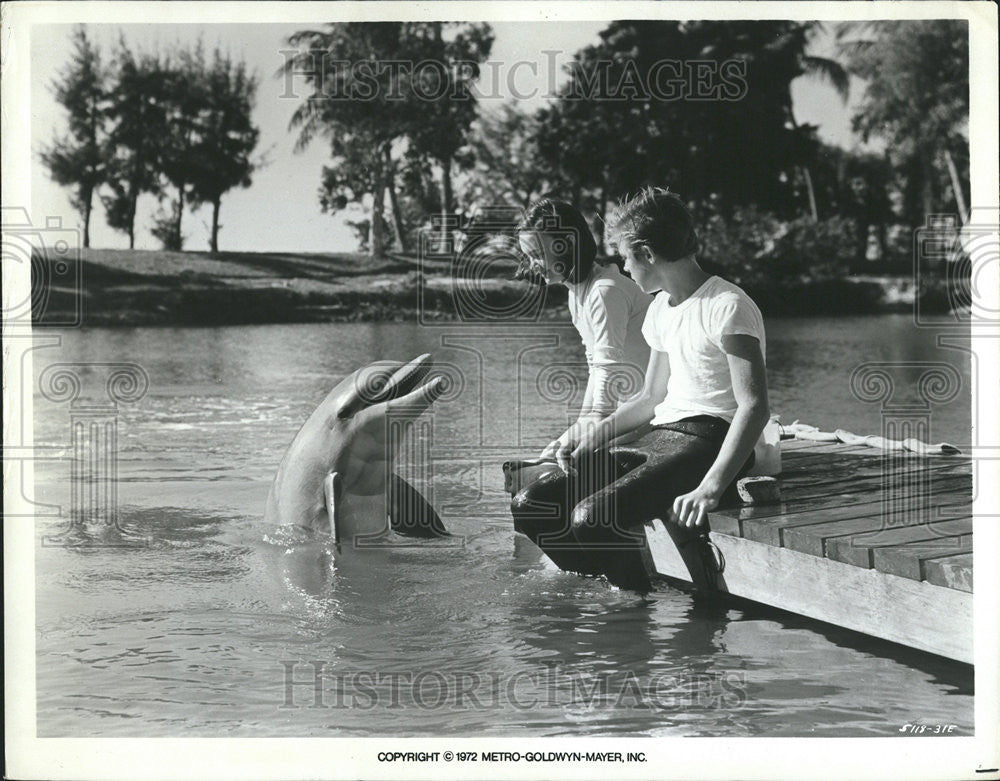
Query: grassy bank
127, 288
122, 287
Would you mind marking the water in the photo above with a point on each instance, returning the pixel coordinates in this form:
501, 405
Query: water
200, 626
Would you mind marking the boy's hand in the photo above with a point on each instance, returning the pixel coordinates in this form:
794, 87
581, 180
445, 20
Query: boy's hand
691, 509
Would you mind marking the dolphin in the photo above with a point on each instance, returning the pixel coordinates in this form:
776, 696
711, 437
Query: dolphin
337, 473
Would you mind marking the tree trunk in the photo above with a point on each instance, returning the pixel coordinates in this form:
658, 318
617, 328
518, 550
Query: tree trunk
397, 215
883, 249
214, 239
861, 228
956, 186
376, 236
806, 175
87, 208
446, 201
444, 239
926, 193
180, 214
133, 205
812, 194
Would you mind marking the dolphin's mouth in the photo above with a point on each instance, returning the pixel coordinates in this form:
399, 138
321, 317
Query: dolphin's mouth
384, 382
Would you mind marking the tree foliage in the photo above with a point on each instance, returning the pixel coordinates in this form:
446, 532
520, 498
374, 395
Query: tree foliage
445, 105
183, 97
175, 124
371, 103
917, 101
224, 137
75, 160
137, 118
340, 64
502, 159
737, 148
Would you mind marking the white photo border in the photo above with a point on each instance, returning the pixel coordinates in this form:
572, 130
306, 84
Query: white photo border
272, 758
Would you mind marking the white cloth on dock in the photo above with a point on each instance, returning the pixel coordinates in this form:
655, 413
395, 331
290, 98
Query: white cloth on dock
798, 430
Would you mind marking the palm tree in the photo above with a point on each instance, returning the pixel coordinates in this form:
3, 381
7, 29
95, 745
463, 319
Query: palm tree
360, 132
917, 94
821, 69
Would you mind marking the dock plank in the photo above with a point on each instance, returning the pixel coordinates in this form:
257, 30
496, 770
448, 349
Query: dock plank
792, 445
910, 561
797, 449
872, 530
736, 520
764, 523
835, 466
806, 454
950, 571
832, 471
859, 551
822, 477
806, 458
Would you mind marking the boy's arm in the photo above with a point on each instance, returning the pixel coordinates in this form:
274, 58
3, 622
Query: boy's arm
749, 378
635, 412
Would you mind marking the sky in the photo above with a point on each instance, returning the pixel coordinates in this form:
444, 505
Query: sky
280, 210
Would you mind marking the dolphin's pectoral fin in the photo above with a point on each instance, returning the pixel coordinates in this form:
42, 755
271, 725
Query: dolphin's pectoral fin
410, 513
332, 490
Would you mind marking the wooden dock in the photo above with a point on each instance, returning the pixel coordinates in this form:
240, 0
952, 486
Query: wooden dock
875, 541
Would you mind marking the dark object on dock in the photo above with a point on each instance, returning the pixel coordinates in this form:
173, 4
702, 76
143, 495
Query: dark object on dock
759, 490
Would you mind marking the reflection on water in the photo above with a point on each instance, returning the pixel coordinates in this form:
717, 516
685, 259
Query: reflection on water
200, 621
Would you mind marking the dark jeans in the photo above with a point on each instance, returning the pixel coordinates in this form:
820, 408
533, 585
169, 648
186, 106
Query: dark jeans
591, 522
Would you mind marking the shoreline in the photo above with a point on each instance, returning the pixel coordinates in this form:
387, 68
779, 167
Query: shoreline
123, 288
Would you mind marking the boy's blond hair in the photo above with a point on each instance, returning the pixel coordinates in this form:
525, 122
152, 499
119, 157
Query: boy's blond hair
656, 217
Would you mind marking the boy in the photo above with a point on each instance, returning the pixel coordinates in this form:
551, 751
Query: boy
704, 401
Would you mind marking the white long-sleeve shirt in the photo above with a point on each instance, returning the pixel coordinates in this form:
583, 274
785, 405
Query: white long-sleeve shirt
609, 311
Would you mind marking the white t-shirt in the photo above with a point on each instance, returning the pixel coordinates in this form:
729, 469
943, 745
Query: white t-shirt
609, 312
691, 336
